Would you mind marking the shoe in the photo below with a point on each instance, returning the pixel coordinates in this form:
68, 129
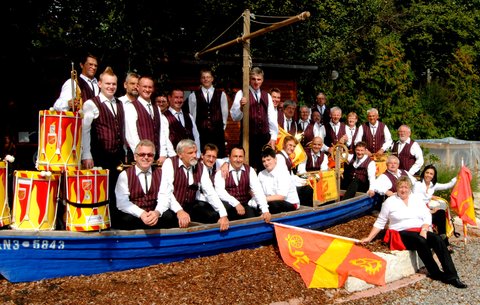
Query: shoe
457, 283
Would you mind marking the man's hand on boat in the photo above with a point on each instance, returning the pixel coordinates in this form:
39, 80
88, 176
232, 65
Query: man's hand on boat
223, 221
183, 219
371, 193
150, 218
240, 209
267, 217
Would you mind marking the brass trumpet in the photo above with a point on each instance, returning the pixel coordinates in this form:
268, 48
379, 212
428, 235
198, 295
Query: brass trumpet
124, 166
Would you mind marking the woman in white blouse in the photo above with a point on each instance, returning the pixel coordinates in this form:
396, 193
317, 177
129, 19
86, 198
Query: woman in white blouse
425, 188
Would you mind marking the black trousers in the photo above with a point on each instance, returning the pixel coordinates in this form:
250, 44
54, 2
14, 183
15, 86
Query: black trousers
232, 211
413, 241
256, 143
125, 221
439, 220
201, 211
354, 186
305, 193
279, 206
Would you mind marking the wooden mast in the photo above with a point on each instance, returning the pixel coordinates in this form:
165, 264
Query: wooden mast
245, 38
245, 85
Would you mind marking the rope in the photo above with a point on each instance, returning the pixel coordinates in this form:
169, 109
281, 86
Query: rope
278, 17
213, 41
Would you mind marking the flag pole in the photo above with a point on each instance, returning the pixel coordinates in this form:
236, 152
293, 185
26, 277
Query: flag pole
317, 232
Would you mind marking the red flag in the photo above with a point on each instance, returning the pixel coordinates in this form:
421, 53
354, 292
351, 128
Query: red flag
325, 261
461, 199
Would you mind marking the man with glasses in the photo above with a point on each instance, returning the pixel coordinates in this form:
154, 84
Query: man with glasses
137, 194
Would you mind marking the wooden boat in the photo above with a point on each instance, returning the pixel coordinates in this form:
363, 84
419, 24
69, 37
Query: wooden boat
34, 255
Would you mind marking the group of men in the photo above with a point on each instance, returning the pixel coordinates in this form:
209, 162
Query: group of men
172, 183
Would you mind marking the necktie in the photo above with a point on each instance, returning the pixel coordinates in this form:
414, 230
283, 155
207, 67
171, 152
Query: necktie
374, 130
258, 96
179, 118
92, 82
187, 169
210, 171
238, 176
351, 131
208, 97
145, 174
335, 129
111, 106
149, 105
289, 121
315, 157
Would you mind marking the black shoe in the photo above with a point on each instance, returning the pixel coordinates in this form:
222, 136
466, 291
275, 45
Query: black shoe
457, 283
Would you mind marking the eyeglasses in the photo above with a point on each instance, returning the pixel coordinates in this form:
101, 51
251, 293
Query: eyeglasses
142, 155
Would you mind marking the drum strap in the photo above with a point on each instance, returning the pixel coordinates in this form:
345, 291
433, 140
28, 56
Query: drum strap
88, 205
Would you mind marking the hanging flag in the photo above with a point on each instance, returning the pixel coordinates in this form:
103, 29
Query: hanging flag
299, 154
461, 199
325, 260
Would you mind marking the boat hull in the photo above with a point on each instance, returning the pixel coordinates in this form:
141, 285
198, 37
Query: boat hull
34, 255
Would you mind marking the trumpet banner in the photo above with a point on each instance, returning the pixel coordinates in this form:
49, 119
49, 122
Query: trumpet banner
299, 154
324, 184
325, 261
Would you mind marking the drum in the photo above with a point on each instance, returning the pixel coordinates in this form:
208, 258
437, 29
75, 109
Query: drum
86, 194
59, 140
35, 200
4, 208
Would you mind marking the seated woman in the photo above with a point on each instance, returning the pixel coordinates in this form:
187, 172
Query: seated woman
438, 206
409, 228
277, 186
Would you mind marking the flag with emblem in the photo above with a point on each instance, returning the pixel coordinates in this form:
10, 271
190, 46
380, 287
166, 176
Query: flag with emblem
325, 260
461, 199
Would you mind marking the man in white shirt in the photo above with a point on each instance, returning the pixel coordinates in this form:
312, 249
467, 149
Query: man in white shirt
385, 184
408, 151
103, 131
359, 174
182, 177
87, 83
143, 120
137, 192
287, 121
263, 126
131, 88
280, 192
304, 120
181, 124
375, 134
335, 132
209, 109
239, 187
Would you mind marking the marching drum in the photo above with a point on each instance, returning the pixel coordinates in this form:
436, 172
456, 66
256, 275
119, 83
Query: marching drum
35, 200
59, 140
86, 194
4, 208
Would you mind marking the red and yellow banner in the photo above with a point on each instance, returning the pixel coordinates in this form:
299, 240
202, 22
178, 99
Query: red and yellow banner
461, 199
325, 261
324, 184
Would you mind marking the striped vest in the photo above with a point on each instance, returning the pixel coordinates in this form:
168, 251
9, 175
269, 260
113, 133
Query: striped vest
258, 114
209, 115
147, 201
311, 164
330, 137
374, 143
360, 173
147, 127
406, 158
86, 90
108, 131
242, 191
183, 192
393, 179
177, 131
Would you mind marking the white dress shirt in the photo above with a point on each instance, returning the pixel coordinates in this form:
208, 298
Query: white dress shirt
401, 216
166, 189
123, 193
192, 104
125, 100
131, 132
274, 183
420, 189
255, 188
323, 167
416, 151
61, 104
350, 132
91, 112
382, 184
388, 136
196, 135
237, 113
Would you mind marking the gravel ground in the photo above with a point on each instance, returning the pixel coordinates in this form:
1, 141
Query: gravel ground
256, 276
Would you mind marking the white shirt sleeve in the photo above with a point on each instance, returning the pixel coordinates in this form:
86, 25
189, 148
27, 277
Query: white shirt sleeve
211, 195
196, 136
61, 104
192, 105
371, 172
235, 111
222, 192
131, 132
90, 112
258, 194
166, 146
122, 194
416, 151
224, 106
359, 135
166, 199
272, 119
388, 139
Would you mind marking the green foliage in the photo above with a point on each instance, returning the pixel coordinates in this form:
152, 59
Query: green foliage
445, 174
